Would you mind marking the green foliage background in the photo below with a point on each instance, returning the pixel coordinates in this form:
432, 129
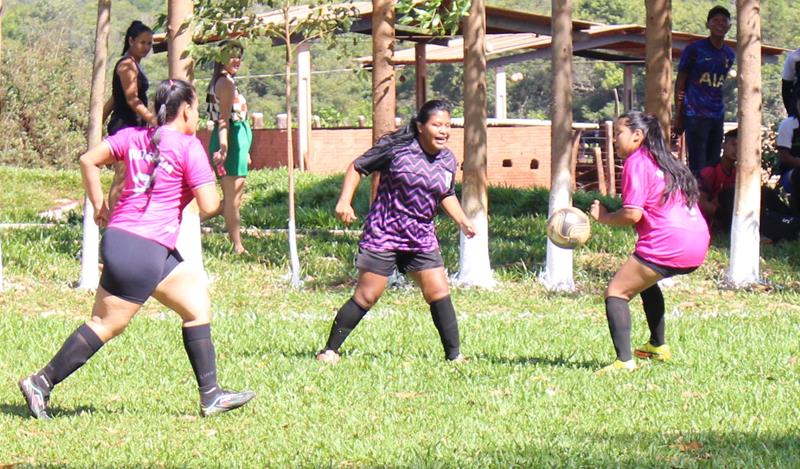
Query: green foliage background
48, 49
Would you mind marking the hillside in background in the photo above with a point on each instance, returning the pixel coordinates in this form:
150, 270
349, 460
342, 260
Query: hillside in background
48, 49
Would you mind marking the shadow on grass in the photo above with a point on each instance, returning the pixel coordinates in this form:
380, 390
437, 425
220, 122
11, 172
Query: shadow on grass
22, 410
557, 362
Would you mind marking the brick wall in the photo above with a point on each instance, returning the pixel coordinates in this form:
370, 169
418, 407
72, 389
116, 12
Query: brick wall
517, 156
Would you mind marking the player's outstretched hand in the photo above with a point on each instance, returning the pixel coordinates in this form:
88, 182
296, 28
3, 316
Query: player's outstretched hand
597, 210
468, 229
345, 213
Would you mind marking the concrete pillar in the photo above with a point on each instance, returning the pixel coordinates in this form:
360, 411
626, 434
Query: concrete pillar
304, 104
500, 96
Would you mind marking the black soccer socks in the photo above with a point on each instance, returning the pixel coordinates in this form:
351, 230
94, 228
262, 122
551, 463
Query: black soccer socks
653, 304
444, 318
77, 350
347, 318
619, 324
200, 349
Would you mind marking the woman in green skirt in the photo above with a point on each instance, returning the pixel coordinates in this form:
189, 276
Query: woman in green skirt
231, 139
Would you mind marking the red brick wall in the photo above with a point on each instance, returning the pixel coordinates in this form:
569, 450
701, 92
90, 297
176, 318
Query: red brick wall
511, 150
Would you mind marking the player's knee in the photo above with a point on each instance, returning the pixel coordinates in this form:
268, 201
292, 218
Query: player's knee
435, 294
109, 327
366, 299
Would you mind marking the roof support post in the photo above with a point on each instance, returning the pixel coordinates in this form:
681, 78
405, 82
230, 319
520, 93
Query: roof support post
421, 73
658, 62
500, 95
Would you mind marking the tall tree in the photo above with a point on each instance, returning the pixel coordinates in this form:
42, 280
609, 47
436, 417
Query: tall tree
91, 234
558, 269
474, 265
384, 87
296, 24
658, 61
744, 269
181, 66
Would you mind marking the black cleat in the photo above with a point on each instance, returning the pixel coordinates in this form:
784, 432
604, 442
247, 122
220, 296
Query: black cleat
36, 397
226, 401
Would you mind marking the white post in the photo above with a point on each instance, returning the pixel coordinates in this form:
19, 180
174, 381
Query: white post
627, 88
500, 96
303, 103
189, 244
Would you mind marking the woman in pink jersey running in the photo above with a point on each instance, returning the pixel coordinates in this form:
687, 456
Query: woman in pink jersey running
165, 169
659, 197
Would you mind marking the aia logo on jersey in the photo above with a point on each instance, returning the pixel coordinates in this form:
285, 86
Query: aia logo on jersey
712, 79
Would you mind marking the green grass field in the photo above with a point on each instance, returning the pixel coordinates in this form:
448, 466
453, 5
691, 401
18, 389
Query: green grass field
527, 398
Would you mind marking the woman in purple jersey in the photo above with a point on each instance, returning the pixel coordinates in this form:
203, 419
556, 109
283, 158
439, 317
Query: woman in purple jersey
417, 175
659, 197
165, 169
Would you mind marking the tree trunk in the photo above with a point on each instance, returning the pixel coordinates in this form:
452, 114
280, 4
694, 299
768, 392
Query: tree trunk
744, 268
90, 274
658, 62
474, 266
294, 261
558, 270
179, 36
383, 83
181, 67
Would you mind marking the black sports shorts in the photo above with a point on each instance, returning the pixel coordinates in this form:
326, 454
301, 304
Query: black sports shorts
134, 266
383, 263
664, 270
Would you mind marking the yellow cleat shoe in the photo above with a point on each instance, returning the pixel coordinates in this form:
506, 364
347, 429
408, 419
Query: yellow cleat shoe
617, 366
648, 350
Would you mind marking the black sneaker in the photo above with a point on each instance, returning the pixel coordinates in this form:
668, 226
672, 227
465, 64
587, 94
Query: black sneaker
226, 401
36, 396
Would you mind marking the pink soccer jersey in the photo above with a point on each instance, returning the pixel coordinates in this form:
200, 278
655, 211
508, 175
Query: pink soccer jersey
670, 233
157, 189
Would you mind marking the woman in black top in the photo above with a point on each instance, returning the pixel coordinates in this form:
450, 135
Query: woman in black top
128, 103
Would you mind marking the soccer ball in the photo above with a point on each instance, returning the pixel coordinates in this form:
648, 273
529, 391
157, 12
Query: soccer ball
569, 228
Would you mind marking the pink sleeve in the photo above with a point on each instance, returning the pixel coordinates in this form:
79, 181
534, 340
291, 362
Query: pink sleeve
634, 183
119, 143
198, 170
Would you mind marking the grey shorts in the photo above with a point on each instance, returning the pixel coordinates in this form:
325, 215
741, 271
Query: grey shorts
383, 263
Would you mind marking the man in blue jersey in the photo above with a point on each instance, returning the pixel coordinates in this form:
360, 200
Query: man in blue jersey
699, 108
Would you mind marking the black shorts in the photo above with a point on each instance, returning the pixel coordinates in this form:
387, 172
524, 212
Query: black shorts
663, 270
134, 266
383, 263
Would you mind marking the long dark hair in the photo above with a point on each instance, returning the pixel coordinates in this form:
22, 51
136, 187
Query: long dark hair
677, 175
230, 48
134, 30
405, 135
169, 97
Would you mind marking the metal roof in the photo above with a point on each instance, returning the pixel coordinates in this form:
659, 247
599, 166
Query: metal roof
616, 43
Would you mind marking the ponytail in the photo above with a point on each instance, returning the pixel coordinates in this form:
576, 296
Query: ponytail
678, 177
169, 97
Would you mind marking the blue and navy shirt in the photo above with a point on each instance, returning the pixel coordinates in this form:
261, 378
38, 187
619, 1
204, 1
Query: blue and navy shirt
707, 68
411, 186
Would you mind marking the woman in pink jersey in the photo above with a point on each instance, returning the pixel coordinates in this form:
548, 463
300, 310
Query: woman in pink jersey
165, 169
659, 197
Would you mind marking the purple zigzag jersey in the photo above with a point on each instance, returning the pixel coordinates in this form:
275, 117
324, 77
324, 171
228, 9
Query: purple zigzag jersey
411, 187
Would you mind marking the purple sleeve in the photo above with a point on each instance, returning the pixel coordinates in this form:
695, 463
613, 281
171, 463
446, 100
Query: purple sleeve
687, 58
634, 183
198, 170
